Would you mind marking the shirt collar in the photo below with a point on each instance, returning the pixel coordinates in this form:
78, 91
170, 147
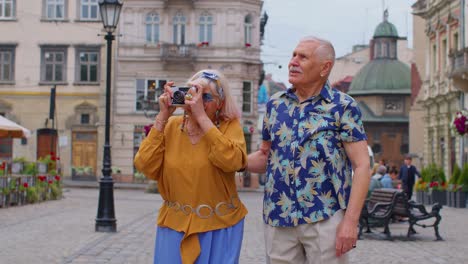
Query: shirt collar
325, 93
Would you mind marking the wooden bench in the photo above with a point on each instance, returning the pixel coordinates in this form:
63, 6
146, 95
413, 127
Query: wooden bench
416, 212
383, 204
377, 210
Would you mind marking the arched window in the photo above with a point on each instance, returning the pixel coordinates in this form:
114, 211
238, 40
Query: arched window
179, 22
206, 28
248, 30
377, 50
384, 50
152, 28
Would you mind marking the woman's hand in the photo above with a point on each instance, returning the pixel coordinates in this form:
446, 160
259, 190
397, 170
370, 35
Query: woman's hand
194, 102
165, 107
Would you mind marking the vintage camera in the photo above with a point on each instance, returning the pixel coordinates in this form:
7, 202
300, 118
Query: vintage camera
178, 95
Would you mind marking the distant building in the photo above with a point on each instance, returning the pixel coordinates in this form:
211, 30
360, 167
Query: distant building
344, 84
45, 44
382, 89
444, 82
171, 40
350, 64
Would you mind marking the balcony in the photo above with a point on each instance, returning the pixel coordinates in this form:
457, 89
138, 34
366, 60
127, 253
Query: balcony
459, 72
178, 53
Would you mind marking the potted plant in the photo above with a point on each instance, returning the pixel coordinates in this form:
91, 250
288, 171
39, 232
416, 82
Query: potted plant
23, 193
55, 187
452, 185
43, 164
18, 165
5, 197
462, 189
13, 191
32, 195
139, 177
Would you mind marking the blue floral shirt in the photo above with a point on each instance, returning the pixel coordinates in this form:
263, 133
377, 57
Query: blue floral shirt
308, 172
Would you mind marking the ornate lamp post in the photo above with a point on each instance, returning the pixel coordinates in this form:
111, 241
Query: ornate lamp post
105, 220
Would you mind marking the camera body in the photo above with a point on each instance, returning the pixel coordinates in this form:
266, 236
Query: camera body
178, 95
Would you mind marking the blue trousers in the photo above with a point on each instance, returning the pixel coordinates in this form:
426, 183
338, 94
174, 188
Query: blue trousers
218, 246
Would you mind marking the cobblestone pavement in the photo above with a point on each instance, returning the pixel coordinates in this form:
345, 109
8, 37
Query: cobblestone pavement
63, 232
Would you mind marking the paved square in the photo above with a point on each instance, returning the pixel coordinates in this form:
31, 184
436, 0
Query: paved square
63, 232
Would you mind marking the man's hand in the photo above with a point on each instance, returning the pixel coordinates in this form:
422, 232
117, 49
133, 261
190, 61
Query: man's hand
257, 161
346, 236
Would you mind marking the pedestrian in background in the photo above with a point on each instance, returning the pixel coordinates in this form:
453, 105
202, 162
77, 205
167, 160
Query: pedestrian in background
194, 158
407, 176
313, 138
387, 180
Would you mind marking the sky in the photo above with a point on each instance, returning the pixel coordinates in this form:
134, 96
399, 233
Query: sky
343, 22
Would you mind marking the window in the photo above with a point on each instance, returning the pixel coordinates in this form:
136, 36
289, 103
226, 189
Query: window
55, 9
377, 49
206, 28
84, 119
444, 53
53, 64
247, 97
7, 63
248, 30
87, 65
393, 50
152, 28
384, 50
7, 9
179, 22
393, 106
455, 42
434, 58
89, 10
147, 94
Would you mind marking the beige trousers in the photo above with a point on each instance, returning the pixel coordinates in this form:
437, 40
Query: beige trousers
304, 244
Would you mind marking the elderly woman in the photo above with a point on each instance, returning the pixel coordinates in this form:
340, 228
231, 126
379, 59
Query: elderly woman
194, 158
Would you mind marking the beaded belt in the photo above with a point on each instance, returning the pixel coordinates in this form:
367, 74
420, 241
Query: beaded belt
205, 210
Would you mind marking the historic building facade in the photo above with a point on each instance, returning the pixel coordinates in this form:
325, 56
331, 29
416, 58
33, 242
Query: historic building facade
171, 40
46, 44
382, 89
443, 81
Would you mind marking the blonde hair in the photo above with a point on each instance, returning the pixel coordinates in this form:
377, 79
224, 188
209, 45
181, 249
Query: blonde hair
229, 110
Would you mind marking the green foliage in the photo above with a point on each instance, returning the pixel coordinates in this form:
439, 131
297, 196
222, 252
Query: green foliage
30, 169
20, 159
116, 170
55, 191
46, 160
433, 173
83, 170
463, 180
455, 174
139, 175
5, 191
152, 187
12, 185
32, 195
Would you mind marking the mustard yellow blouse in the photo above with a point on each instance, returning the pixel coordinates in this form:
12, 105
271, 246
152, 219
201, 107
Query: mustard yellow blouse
195, 180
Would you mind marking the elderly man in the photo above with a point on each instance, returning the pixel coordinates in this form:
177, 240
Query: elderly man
313, 138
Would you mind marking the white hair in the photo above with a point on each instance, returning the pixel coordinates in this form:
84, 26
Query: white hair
325, 50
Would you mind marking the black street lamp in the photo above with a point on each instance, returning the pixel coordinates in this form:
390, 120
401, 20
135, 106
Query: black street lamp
105, 220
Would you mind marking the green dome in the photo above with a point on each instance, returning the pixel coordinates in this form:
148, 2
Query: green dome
386, 29
382, 76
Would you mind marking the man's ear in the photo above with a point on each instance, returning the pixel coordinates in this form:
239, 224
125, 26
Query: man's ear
326, 68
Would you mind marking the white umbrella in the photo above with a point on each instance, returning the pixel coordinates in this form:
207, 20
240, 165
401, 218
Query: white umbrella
9, 129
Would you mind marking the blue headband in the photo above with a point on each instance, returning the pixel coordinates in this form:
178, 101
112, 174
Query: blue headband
213, 77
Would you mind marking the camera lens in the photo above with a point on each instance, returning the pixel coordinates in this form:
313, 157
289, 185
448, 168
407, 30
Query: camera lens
178, 97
